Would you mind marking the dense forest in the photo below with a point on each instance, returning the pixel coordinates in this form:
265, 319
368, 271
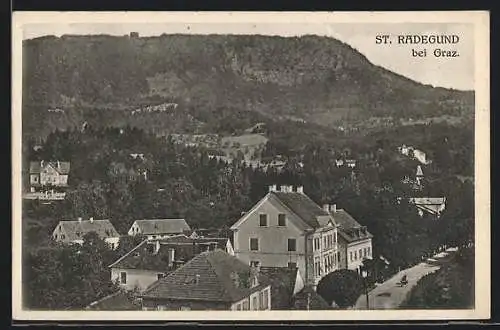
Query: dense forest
178, 181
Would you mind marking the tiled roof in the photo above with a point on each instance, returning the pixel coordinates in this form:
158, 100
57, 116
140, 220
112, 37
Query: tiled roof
216, 272
282, 285
301, 205
143, 256
163, 226
309, 296
63, 168
75, 230
350, 230
118, 301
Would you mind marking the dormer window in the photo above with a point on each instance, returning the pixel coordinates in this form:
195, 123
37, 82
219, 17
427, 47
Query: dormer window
263, 220
281, 220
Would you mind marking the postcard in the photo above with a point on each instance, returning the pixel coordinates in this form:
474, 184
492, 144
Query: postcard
251, 166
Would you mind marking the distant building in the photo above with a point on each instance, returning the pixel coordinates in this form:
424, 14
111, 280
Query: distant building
72, 232
153, 259
45, 174
134, 34
212, 280
419, 175
355, 241
159, 228
429, 205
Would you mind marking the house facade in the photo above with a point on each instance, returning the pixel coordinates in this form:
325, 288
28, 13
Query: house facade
213, 280
73, 232
159, 228
48, 174
432, 206
153, 259
287, 229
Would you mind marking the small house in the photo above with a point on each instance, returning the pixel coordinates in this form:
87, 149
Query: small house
159, 228
73, 232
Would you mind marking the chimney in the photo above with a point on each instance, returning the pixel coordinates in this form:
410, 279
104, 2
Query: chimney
79, 219
333, 208
58, 164
41, 163
300, 189
91, 219
326, 208
157, 247
272, 188
171, 256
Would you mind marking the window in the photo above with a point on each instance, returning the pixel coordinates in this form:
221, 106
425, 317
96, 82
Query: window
254, 244
292, 265
350, 254
292, 245
245, 305
368, 249
263, 220
254, 263
238, 307
355, 255
324, 243
360, 254
261, 300
281, 220
55, 236
123, 277
254, 303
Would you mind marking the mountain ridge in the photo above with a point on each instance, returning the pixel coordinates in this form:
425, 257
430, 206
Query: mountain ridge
316, 79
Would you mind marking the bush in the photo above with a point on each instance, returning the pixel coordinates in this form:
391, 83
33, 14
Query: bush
342, 287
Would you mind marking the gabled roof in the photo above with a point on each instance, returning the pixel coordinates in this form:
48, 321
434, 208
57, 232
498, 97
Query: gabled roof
419, 171
75, 230
308, 296
349, 229
301, 205
216, 272
163, 226
60, 167
282, 286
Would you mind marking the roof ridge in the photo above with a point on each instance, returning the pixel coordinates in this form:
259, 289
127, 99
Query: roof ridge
289, 209
128, 253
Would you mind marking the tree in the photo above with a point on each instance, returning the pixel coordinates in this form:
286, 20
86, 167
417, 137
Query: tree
342, 287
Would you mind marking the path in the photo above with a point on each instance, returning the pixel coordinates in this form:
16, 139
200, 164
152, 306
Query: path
389, 295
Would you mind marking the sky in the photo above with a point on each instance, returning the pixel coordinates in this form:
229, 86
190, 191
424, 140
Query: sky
456, 72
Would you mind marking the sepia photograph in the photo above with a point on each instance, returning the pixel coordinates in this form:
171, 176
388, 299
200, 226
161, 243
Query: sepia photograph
251, 166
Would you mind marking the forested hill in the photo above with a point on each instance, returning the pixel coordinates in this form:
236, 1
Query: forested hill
314, 79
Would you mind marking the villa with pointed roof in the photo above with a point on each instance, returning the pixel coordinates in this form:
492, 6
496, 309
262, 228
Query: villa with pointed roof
159, 228
286, 228
73, 232
213, 280
45, 174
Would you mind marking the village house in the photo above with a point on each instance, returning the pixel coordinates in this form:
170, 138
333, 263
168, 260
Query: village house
72, 232
288, 229
355, 242
48, 174
432, 206
159, 228
212, 280
153, 259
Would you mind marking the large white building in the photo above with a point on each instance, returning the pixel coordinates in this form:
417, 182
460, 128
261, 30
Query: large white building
288, 229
